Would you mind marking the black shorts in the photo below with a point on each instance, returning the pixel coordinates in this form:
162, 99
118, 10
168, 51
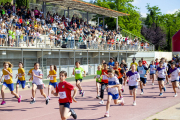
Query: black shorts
78, 80
175, 81
152, 73
133, 87
65, 104
120, 81
161, 79
143, 80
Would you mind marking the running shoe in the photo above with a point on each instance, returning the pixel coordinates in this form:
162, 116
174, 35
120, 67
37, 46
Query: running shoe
97, 97
134, 103
31, 97
3, 102
120, 98
101, 102
164, 89
179, 87
73, 114
106, 114
49, 97
28, 85
19, 99
47, 101
83, 94
167, 83
14, 97
122, 103
142, 93
160, 94
152, 84
80, 91
32, 102
175, 95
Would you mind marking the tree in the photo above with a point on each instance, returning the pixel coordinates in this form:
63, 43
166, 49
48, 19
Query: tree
155, 35
131, 23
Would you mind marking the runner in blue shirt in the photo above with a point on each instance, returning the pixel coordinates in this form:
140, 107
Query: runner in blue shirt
152, 68
111, 63
142, 70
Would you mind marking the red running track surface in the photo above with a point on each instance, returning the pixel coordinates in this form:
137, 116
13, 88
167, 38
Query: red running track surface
87, 107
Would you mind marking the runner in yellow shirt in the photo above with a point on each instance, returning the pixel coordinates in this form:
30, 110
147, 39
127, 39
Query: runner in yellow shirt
8, 81
53, 82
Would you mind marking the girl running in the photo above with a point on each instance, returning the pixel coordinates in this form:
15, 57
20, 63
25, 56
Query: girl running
161, 74
113, 92
174, 74
98, 79
53, 82
64, 89
8, 82
163, 60
120, 76
37, 83
134, 78
78, 72
104, 82
152, 68
142, 70
21, 78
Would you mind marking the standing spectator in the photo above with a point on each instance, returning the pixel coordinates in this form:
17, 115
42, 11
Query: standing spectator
36, 12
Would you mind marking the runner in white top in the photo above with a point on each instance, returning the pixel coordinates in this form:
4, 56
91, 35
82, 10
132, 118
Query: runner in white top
37, 83
161, 73
113, 93
166, 67
134, 78
174, 74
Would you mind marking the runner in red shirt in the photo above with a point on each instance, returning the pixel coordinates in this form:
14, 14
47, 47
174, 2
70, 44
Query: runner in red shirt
104, 82
144, 62
156, 63
64, 89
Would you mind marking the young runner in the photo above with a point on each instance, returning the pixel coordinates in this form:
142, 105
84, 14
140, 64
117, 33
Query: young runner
111, 63
142, 70
37, 83
8, 82
174, 74
134, 78
163, 60
161, 74
78, 72
21, 78
134, 62
144, 62
98, 79
120, 76
104, 82
113, 92
152, 68
53, 82
64, 89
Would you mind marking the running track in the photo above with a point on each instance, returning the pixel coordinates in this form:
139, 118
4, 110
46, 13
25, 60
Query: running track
87, 108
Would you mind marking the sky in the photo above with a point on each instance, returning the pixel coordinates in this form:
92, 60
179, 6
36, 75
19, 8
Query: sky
166, 6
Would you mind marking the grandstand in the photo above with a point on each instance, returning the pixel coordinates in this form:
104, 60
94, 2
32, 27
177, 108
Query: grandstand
34, 35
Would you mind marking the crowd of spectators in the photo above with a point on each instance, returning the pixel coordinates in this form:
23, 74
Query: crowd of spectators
20, 24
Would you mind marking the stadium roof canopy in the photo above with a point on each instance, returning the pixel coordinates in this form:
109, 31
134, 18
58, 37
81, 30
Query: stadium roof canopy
84, 6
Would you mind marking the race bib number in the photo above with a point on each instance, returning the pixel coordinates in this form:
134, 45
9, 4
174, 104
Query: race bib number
78, 71
141, 72
160, 72
132, 78
98, 76
6, 77
62, 95
51, 78
105, 77
20, 75
151, 69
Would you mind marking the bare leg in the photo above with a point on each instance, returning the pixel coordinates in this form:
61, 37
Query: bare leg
17, 88
65, 114
97, 85
49, 90
108, 102
78, 84
34, 90
134, 94
42, 93
13, 93
2, 91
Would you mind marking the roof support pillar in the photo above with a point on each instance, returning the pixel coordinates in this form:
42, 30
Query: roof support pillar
64, 13
103, 21
44, 9
87, 18
116, 23
68, 12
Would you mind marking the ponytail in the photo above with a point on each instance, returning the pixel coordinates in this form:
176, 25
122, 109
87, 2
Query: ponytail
55, 68
7, 62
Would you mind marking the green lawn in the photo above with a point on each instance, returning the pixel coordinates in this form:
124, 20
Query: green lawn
46, 82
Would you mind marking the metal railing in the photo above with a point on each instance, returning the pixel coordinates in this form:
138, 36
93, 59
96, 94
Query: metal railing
43, 41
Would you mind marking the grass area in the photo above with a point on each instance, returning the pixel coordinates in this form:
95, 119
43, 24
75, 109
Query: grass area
46, 82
